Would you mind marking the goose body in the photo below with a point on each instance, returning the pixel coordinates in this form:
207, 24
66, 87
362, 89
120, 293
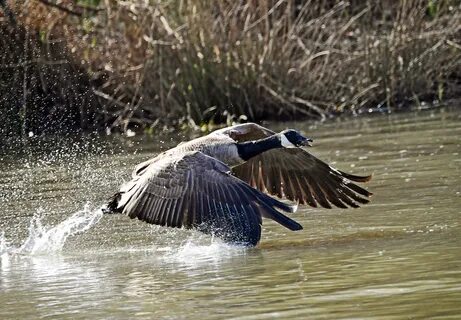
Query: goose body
222, 183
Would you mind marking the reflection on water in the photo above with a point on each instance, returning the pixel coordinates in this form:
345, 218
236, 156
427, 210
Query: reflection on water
396, 258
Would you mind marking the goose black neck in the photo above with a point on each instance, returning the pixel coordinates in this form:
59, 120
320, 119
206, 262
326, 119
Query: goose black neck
250, 149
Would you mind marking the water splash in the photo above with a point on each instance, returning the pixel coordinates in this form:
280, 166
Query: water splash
45, 239
3, 244
195, 253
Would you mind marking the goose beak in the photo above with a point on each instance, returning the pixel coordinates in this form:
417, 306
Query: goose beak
307, 142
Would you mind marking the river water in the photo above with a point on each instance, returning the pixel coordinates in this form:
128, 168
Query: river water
396, 258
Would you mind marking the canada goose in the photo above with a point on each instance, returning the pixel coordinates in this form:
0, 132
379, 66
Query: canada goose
219, 183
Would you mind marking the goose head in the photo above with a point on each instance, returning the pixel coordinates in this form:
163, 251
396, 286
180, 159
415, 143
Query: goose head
291, 139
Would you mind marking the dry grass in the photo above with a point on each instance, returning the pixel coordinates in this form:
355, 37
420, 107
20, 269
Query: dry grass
157, 62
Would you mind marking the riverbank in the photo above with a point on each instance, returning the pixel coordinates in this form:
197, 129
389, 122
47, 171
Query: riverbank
131, 65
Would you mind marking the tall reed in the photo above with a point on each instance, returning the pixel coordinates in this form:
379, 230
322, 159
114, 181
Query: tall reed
195, 61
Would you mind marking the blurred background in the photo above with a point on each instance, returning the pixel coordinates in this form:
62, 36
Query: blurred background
73, 65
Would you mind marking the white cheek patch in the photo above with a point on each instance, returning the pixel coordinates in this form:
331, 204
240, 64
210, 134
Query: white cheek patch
286, 143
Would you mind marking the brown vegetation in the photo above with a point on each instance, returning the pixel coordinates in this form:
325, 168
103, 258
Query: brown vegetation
145, 63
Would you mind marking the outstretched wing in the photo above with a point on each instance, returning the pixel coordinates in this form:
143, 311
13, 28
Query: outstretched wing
246, 132
299, 176
296, 174
194, 190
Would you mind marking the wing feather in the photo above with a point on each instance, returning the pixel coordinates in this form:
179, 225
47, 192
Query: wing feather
295, 173
195, 190
246, 132
299, 176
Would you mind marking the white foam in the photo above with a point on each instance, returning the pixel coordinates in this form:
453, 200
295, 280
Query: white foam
195, 253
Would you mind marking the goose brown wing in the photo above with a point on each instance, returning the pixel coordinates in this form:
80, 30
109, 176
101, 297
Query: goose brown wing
296, 174
299, 176
194, 190
246, 132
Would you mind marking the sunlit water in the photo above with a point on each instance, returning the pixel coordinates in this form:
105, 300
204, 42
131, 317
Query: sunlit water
397, 258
